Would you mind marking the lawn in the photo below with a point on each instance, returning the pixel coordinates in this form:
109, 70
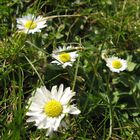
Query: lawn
69, 70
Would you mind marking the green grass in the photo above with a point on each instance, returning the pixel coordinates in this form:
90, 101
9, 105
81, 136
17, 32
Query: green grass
109, 102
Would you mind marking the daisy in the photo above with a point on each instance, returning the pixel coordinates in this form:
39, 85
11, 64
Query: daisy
116, 64
64, 57
31, 24
48, 108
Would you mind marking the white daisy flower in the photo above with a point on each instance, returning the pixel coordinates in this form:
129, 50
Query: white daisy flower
31, 24
48, 108
64, 57
116, 64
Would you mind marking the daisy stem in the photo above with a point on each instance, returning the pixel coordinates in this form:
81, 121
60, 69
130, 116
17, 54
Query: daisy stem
61, 16
76, 71
35, 70
110, 108
111, 119
75, 75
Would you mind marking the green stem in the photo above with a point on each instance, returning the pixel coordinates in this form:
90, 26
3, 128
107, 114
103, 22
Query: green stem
111, 119
75, 75
35, 70
110, 109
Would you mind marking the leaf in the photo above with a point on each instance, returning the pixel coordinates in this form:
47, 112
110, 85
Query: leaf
131, 66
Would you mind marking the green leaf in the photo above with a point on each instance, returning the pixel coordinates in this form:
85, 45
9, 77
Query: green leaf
131, 66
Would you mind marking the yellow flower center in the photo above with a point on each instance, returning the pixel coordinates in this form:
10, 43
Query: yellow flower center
65, 57
116, 64
30, 24
53, 108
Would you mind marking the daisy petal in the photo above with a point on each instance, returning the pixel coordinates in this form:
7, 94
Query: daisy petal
49, 132
57, 123
54, 92
60, 91
73, 110
68, 94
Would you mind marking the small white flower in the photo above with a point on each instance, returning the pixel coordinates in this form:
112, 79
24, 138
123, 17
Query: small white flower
31, 24
116, 64
48, 108
64, 57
